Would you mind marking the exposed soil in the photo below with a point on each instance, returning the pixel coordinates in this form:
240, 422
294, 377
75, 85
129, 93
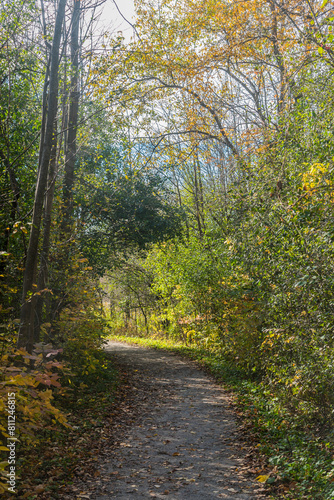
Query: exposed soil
181, 441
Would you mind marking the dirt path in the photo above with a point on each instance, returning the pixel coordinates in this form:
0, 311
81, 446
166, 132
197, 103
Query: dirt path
184, 444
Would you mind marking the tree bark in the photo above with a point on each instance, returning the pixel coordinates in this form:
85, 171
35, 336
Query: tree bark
43, 267
25, 336
71, 149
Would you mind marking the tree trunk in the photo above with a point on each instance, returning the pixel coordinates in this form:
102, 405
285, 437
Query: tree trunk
197, 201
43, 268
71, 146
25, 337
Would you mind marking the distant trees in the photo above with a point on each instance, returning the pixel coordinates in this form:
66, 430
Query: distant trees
128, 209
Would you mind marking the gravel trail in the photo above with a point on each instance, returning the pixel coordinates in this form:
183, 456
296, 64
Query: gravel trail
184, 444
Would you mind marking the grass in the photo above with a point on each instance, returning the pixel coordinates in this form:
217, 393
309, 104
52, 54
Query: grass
301, 462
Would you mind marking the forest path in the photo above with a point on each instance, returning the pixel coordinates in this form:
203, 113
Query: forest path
184, 444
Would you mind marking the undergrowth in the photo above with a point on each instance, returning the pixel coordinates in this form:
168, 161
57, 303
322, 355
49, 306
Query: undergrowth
300, 458
59, 454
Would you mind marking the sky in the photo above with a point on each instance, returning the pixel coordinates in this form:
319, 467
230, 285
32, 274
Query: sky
111, 17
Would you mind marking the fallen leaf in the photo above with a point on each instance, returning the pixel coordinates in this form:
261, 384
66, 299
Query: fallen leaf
262, 479
40, 488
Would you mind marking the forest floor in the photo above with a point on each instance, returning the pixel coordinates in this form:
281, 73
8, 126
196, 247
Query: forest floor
182, 438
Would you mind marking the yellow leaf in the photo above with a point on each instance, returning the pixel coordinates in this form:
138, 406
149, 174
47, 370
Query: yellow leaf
3, 487
262, 479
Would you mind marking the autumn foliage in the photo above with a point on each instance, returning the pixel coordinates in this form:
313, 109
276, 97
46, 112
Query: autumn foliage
236, 100
184, 189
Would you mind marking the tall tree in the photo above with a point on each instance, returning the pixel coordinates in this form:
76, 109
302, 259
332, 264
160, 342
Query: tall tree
72, 121
25, 336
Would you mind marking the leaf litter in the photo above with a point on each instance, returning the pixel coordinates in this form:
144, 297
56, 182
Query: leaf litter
177, 436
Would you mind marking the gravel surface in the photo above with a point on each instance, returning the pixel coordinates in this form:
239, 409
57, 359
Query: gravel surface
183, 444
